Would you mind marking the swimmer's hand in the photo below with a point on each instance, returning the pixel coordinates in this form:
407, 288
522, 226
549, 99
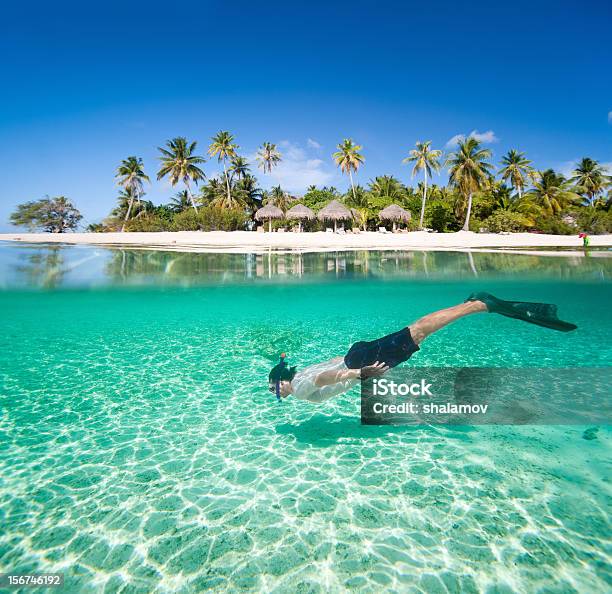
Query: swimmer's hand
375, 370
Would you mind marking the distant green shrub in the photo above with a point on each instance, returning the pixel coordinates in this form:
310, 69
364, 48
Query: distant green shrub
597, 222
210, 218
438, 216
188, 220
504, 220
553, 225
148, 223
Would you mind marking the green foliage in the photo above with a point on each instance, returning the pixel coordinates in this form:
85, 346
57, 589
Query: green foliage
268, 157
483, 205
348, 157
148, 222
179, 163
316, 198
553, 225
541, 202
388, 186
164, 212
54, 215
357, 198
552, 192
180, 202
469, 172
377, 203
438, 216
593, 221
131, 176
590, 179
188, 220
504, 220
277, 197
516, 169
210, 218
413, 204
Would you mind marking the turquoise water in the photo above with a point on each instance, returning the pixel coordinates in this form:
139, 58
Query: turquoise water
141, 451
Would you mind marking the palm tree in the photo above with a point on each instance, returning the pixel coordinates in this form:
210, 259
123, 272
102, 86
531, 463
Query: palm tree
360, 215
591, 179
278, 197
358, 199
517, 168
211, 191
131, 176
268, 156
180, 202
552, 192
179, 162
349, 159
469, 171
501, 195
249, 192
128, 203
426, 159
384, 190
239, 167
223, 147
224, 200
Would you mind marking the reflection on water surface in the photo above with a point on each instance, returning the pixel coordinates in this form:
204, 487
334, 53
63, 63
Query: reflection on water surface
55, 266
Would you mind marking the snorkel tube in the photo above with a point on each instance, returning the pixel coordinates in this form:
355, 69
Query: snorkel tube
283, 364
280, 372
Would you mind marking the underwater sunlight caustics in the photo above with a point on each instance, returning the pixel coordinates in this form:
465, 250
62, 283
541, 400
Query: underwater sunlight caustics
142, 450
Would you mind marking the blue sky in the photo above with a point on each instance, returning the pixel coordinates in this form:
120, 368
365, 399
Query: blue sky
85, 85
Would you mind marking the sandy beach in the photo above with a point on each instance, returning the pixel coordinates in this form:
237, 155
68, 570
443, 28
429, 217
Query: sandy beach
240, 241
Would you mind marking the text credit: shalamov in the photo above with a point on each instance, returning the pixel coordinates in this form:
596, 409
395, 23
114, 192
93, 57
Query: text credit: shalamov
479, 396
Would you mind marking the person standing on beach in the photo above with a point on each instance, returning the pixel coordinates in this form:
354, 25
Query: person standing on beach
320, 382
586, 240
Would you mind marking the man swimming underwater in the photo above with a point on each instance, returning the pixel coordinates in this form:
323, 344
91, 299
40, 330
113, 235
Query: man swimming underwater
322, 381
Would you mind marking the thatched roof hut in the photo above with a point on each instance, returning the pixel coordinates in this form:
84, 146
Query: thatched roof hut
395, 214
269, 212
300, 213
335, 211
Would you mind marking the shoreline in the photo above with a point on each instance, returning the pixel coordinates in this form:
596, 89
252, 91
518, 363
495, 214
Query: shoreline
250, 241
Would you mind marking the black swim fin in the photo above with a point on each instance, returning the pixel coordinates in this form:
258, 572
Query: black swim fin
542, 314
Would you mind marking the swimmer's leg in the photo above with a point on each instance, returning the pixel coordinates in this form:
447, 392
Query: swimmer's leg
432, 322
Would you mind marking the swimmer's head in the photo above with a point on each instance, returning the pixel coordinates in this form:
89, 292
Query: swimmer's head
279, 378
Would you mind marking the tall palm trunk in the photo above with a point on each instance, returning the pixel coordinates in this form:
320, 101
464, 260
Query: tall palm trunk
190, 196
466, 225
424, 200
352, 185
229, 196
127, 214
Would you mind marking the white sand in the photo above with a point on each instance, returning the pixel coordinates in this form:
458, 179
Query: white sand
221, 241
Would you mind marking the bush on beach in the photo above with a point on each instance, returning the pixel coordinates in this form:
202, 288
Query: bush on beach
505, 221
594, 221
149, 223
210, 218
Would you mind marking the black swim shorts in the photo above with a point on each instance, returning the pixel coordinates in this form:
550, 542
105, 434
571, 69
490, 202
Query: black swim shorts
391, 350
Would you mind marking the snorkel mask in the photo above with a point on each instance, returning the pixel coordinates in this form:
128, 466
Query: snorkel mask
279, 373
